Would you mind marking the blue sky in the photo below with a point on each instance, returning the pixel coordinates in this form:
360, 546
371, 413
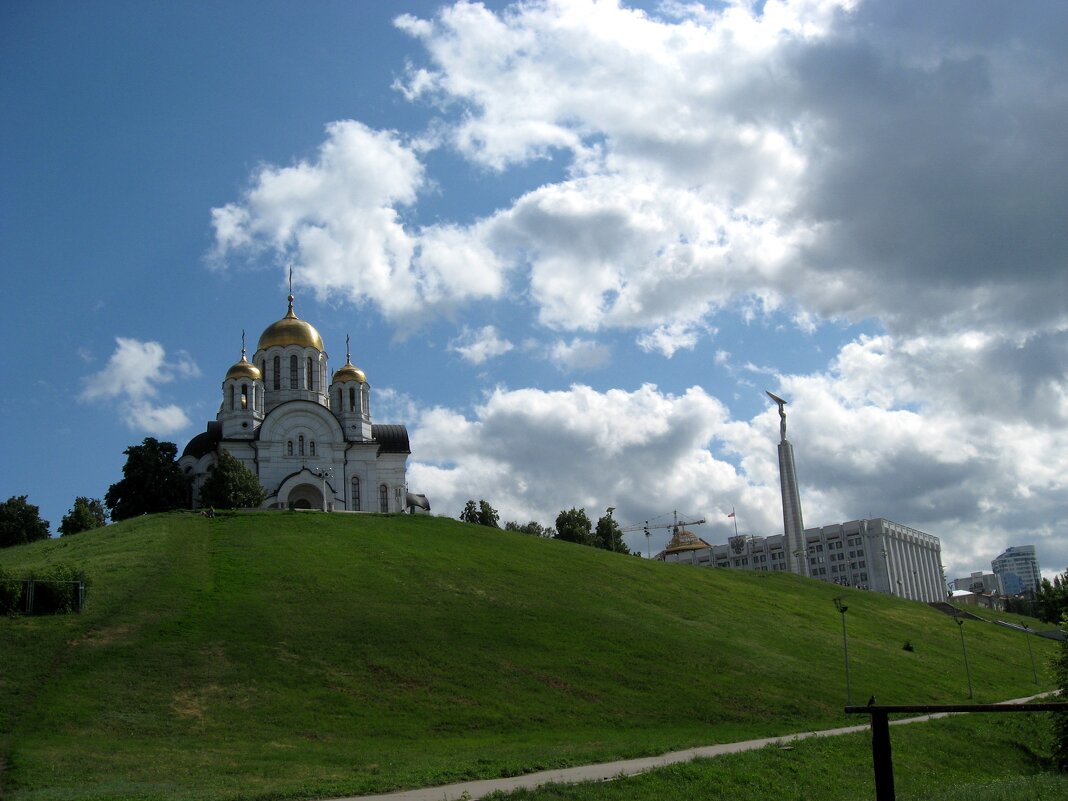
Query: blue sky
572, 243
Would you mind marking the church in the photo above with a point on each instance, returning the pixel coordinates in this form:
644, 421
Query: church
307, 435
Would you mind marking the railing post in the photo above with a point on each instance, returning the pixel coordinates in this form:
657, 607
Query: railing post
881, 757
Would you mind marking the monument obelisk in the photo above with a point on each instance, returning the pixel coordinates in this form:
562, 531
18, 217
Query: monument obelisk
793, 525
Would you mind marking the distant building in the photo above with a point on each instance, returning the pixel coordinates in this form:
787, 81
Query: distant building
1017, 570
877, 555
977, 582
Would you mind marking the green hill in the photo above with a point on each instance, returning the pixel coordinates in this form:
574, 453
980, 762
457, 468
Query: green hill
287, 655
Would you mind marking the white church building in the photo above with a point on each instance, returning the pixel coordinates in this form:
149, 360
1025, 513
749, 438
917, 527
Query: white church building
307, 435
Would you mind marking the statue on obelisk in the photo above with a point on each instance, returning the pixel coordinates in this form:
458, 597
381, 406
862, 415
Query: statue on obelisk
793, 524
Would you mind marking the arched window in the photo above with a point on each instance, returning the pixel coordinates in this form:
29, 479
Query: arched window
231, 397
277, 372
244, 396
293, 372
366, 400
352, 399
312, 446
355, 494
309, 382
383, 498
300, 439
289, 448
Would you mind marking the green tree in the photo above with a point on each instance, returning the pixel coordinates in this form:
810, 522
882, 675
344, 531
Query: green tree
487, 515
20, 522
470, 512
481, 514
1052, 598
574, 526
151, 482
231, 485
608, 535
533, 528
85, 515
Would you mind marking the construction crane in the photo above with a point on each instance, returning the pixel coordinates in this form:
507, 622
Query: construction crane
674, 525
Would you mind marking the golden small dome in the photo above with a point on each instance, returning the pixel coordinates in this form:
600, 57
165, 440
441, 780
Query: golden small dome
348, 372
243, 369
291, 330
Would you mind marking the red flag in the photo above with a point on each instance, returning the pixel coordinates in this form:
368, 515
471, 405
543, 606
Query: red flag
731, 514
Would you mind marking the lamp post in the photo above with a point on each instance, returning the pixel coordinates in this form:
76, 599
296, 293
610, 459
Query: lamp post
842, 609
323, 473
886, 564
1027, 636
967, 671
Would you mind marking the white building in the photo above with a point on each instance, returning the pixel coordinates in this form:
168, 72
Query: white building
1017, 570
877, 555
306, 435
977, 582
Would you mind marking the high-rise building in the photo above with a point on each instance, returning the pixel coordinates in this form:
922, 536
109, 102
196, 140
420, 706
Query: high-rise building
1017, 570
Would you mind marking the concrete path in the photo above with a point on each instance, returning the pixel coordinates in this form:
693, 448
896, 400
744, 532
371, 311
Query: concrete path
476, 789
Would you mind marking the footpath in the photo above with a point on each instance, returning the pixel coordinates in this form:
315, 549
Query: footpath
480, 788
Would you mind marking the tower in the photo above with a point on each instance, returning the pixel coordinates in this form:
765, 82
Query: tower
793, 525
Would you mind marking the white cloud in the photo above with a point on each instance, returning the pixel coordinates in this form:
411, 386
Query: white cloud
579, 354
481, 345
133, 376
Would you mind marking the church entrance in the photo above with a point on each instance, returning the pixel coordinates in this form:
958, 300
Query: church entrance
305, 496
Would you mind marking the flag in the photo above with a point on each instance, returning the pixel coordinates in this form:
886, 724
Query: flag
731, 514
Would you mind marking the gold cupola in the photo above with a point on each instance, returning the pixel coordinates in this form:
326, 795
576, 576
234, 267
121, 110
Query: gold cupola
244, 369
348, 371
290, 330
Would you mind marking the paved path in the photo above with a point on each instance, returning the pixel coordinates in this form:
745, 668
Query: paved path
480, 788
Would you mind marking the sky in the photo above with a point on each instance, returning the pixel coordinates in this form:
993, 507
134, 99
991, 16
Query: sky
573, 244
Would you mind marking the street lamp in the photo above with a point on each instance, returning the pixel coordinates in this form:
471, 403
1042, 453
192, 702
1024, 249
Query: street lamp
967, 671
842, 609
323, 473
1027, 636
886, 564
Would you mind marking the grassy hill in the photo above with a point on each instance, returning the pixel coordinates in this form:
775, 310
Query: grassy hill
288, 655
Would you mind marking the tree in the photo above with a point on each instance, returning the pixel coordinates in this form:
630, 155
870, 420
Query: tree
487, 515
574, 526
20, 522
1052, 598
85, 515
231, 485
470, 513
151, 481
533, 528
609, 536
481, 514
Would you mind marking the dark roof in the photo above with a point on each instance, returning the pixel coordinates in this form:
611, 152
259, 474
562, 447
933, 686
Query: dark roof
391, 438
206, 442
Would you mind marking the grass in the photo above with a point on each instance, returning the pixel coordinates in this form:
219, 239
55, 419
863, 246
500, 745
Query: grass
273, 655
992, 757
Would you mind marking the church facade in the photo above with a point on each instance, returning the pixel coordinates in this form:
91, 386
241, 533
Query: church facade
307, 435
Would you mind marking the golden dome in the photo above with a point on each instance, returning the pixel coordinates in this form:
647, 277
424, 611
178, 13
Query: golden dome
348, 372
291, 330
244, 370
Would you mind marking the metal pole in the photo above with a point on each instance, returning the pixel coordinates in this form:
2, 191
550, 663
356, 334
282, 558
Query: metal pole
967, 670
845, 649
881, 757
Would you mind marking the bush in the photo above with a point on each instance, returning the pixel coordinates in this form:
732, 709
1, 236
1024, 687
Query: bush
10, 593
55, 590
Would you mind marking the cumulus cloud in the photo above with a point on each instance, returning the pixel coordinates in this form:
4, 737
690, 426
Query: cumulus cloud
481, 345
133, 376
335, 220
